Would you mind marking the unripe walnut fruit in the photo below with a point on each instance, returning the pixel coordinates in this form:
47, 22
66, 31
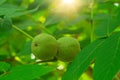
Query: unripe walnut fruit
44, 46
68, 48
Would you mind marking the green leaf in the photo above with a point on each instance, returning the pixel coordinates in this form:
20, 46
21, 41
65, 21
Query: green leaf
25, 23
78, 20
118, 15
27, 72
106, 54
2, 41
20, 13
5, 24
105, 24
52, 20
82, 61
107, 59
26, 49
14, 11
2, 1
8, 9
4, 66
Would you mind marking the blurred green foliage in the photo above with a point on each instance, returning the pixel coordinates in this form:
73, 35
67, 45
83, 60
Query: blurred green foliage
37, 16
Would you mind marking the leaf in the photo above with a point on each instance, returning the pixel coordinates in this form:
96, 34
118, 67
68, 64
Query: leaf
5, 25
8, 9
4, 66
20, 13
105, 24
27, 72
78, 20
42, 4
24, 24
66, 31
107, 59
106, 54
26, 49
118, 15
52, 20
82, 61
2, 1
2, 41
14, 11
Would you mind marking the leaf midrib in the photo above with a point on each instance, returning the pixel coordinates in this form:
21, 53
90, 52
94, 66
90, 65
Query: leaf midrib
118, 43
88, 56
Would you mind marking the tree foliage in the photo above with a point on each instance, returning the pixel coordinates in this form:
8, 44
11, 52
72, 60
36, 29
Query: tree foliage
95, 24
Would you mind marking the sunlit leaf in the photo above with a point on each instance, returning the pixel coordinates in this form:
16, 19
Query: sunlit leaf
106, 54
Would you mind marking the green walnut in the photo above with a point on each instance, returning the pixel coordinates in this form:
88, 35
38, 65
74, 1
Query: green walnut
44, 46
68, 48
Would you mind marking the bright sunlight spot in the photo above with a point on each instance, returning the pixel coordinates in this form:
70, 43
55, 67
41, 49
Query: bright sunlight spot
38, 60
68, 1
60, 67
32, 56
66, 7
116, 4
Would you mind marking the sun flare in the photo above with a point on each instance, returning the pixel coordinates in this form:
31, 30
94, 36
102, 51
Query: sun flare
68, 1
66, 7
